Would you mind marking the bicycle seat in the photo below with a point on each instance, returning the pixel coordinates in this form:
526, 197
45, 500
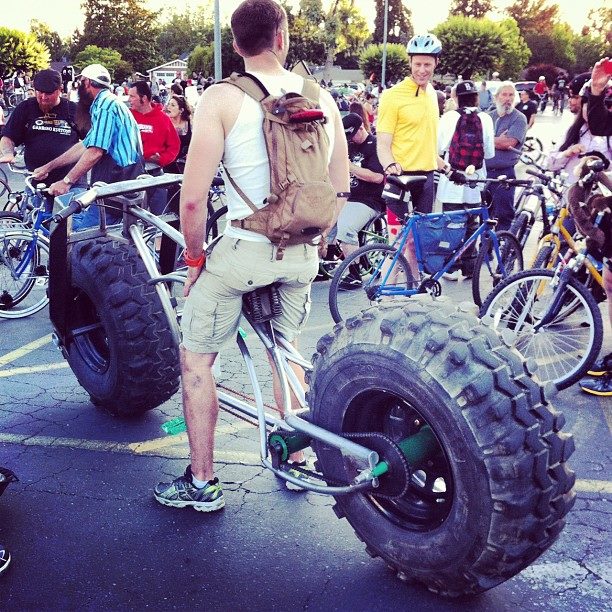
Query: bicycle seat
403, 182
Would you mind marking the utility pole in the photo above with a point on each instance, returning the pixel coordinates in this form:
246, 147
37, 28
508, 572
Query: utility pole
383, 77
217, 43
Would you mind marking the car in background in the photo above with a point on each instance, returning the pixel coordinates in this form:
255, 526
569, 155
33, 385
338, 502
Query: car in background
524, 86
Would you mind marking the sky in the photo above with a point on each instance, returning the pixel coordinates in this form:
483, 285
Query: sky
64, 16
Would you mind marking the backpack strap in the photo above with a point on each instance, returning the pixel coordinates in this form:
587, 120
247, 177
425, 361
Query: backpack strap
255, 89
248, 83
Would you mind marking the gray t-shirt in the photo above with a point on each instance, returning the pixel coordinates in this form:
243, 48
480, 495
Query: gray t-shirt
515, 124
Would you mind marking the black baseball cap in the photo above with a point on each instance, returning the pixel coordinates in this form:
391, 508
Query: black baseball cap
47, 81
351, 122
465, 87
577, 83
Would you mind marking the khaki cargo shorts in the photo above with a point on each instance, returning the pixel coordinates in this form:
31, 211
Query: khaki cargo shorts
234, 267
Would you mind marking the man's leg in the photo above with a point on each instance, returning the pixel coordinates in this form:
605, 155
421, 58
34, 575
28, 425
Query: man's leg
201, 409
600, 380
503, 199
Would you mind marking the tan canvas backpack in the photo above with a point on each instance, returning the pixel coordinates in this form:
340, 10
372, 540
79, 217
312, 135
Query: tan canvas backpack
302, 200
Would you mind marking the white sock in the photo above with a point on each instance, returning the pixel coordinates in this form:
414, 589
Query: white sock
198, 484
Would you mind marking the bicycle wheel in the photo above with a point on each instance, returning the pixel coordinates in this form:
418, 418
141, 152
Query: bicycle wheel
9, 220
565, 348
24, 273
215, 224
487, 270
4, 183
374, 232
533, 148
356, 283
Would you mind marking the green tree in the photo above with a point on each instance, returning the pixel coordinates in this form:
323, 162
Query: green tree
477, 9
534, 15
306, 38
49, 38
514, 54
553, 46
587, 50
600, 24
202, 58
92, 54
123, 25
470, 46
182, 32
19, 50
397, 67
344, 30
399, 22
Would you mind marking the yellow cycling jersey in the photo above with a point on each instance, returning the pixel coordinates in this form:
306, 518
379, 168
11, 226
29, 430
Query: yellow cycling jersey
413, 121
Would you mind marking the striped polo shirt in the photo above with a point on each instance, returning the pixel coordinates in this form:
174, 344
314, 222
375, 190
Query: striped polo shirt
114, 129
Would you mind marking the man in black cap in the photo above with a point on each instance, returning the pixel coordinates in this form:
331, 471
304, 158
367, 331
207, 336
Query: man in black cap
44, 124
365, 202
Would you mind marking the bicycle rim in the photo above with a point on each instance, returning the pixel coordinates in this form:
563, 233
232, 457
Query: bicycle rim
564, 349
356, 284
24, 274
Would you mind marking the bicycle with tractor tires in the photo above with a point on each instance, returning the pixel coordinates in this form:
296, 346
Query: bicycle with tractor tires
439, 448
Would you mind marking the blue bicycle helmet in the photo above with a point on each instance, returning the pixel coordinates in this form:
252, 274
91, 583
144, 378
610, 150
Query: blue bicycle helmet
424, 44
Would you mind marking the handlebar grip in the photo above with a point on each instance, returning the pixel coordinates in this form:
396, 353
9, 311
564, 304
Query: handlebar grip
73, 207
543, 177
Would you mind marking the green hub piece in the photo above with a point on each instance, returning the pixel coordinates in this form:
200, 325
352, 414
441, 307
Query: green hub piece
289, 442
416, 449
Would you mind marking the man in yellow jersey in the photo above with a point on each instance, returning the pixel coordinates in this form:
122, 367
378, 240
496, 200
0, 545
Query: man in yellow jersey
407, 124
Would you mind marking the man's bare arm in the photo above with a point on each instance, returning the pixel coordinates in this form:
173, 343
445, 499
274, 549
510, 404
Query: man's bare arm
205, 153
364, 174
7, 150
383, 149
339, 163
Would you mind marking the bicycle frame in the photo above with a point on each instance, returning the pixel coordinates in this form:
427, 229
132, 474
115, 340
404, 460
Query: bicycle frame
559, 229
485, 230
280, 351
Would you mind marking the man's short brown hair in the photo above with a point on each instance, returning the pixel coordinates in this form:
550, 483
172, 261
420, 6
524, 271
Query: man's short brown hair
255, 24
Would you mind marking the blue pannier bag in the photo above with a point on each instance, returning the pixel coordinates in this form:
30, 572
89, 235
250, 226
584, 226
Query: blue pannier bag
440, 237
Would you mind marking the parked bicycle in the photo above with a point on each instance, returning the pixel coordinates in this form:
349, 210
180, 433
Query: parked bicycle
539, 200
550, 316
24, 252
413, 459
379, 272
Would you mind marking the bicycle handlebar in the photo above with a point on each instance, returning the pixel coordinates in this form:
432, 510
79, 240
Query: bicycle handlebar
73, 207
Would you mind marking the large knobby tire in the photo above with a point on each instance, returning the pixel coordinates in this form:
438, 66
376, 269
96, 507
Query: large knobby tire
494, 494
127, 359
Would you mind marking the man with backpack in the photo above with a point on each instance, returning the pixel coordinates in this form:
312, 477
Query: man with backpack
465, 138
238, 122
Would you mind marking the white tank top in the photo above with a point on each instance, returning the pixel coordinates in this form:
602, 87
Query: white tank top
245, 157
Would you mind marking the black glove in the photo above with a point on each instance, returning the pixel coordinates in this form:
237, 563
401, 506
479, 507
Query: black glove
457, 177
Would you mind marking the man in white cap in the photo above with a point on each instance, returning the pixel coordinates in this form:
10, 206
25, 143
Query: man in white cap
112, 148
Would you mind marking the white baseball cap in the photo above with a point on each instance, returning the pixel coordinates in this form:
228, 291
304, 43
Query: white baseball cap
98, 74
